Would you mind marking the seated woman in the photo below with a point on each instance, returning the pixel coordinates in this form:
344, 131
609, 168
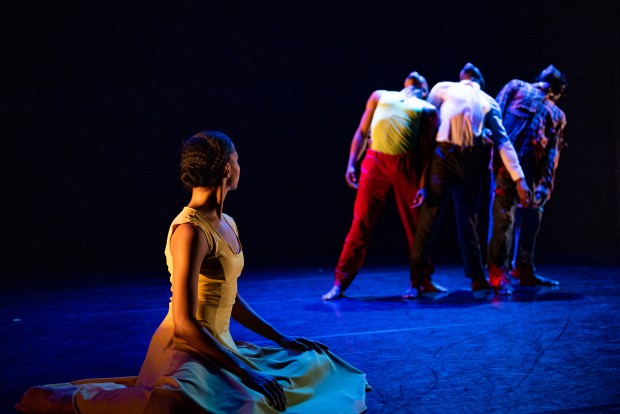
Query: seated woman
192, 364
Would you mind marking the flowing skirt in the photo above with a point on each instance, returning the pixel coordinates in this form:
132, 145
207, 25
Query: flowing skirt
176, 380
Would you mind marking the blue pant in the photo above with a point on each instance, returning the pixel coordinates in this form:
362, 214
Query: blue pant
513, 230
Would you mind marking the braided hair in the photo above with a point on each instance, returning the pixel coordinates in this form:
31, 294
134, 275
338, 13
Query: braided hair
203, 158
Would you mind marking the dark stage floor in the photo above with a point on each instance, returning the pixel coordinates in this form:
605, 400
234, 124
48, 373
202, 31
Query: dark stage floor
541, 350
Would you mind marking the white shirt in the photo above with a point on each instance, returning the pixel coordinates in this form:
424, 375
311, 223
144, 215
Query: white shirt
464, 110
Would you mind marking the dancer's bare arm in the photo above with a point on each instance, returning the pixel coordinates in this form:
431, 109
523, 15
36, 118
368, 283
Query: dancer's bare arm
246, 316
360, 138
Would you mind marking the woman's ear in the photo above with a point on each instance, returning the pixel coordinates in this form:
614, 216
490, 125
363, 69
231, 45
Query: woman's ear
226, 170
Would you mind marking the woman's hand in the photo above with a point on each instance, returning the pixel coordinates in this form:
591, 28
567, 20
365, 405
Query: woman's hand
300, 343
268, 386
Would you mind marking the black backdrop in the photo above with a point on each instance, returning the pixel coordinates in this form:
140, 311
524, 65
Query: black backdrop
97, 98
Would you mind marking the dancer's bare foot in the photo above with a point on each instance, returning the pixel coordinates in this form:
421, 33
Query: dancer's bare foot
49, 400
410, 293
334, 293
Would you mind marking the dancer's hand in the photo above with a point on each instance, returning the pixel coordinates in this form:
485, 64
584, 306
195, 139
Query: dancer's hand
525, 194
487, 136
302, 344
268, 386
351, 177
419, 198
541, 195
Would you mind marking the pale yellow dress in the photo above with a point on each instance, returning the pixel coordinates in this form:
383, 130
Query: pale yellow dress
175, 378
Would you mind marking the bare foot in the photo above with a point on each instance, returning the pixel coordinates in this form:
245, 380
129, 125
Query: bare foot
48, 399
410, 293
334, 293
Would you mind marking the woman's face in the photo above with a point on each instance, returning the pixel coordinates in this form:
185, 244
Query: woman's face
235, 171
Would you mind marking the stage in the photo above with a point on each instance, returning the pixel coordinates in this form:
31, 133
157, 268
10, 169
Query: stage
539, 350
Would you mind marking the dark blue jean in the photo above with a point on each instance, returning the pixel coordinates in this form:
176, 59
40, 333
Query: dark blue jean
513, 230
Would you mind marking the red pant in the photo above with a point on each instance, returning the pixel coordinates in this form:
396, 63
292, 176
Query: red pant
380, 175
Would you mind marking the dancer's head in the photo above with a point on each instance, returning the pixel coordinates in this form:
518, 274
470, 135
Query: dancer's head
469, 71
206, 160
418, 84
556, 81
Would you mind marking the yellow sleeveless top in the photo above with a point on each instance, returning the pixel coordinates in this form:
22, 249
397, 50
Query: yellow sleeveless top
395, 123
217, 282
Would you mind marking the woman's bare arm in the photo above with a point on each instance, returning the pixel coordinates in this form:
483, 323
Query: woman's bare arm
244, 314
